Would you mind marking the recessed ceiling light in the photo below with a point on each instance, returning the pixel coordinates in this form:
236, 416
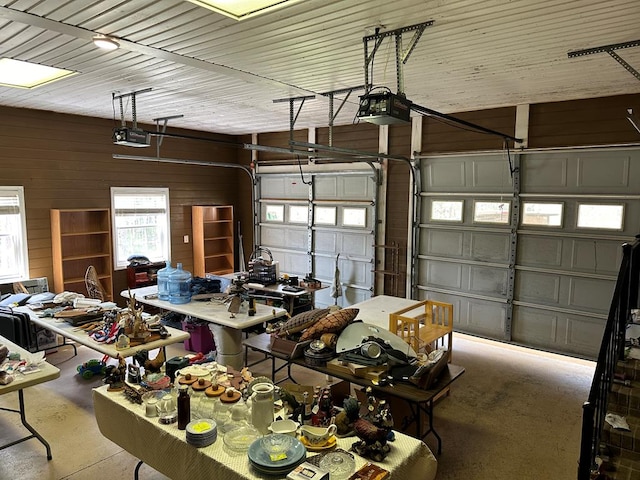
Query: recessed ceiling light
20, 74
241, 9
105, 42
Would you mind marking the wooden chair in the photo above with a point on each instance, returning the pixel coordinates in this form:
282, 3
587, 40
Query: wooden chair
93, 285
427, 329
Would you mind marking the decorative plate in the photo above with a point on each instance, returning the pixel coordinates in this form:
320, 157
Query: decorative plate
318, 448
195, 371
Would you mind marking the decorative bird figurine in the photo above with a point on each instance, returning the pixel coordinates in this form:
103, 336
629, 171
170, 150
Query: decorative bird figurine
348, 415
150, 366
155, 364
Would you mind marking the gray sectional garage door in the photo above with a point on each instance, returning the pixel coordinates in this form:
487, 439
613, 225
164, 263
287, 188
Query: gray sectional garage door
525, 269
308, 226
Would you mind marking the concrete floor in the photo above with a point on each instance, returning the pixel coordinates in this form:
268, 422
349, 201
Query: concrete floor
514, 414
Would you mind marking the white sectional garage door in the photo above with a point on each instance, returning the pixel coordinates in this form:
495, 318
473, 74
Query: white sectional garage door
530, 258
308, 226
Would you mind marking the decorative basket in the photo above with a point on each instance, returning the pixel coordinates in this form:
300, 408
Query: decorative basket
262, 270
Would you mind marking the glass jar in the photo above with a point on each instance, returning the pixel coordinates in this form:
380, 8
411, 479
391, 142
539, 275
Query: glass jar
238, 417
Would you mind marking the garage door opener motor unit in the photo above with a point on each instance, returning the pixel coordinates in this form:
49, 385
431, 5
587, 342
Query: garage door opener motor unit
384, 108
131, 137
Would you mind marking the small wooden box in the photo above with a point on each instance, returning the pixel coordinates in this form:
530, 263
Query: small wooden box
363, 371
288, 347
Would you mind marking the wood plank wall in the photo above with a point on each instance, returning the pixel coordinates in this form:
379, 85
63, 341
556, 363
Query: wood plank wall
65, 161
440, 136
398, 194
598, 121
280, 140
243, 212
359, 136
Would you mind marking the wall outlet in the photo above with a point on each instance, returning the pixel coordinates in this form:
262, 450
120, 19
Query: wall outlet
186, 239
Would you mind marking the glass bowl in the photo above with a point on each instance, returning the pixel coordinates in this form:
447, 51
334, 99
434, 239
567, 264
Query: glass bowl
340, 465
276, 443
239, 439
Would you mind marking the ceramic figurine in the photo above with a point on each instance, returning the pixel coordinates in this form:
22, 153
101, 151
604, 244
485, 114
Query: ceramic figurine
373, 429
115, 376
349, 414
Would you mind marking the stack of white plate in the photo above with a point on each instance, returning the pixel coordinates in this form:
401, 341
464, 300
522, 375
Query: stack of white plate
270, 464
202, 432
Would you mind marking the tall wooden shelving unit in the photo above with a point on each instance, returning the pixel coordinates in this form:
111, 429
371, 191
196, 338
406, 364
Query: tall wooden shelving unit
79, 238
213, 240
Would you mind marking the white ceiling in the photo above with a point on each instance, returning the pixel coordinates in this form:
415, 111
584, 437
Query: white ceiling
223, 75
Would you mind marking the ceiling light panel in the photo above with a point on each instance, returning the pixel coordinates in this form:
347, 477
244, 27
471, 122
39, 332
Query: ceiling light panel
20, 74
241, 9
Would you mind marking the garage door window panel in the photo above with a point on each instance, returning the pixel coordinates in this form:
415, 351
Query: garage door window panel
354, 217
601, 216
542, 214
491, 212
298, 214
447, 210
274, 213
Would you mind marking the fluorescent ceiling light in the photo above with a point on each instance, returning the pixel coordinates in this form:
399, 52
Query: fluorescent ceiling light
20, 74
241, 9
105, 42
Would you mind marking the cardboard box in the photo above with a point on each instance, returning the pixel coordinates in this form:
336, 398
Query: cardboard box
308, 471
370, 471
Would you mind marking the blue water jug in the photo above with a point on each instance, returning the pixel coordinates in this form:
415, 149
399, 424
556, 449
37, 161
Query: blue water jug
163, 281
179, 286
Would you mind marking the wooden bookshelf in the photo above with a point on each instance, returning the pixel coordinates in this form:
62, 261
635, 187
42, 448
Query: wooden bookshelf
213, 240
79, 238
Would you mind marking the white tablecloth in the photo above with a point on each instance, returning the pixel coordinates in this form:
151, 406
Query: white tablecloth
164, 448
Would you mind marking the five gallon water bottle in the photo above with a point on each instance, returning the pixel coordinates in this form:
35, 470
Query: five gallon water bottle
163, 281
179, 286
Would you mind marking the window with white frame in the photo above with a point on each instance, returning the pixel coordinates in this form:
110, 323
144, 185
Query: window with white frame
601, 216
274, 213
491, 212
545, 214
325, 215
140, 219
14, 261
447, 210
298, 214
354, 217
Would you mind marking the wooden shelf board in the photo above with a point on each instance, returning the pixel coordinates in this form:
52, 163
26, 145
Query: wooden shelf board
78, 234
81, 279
84, 257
